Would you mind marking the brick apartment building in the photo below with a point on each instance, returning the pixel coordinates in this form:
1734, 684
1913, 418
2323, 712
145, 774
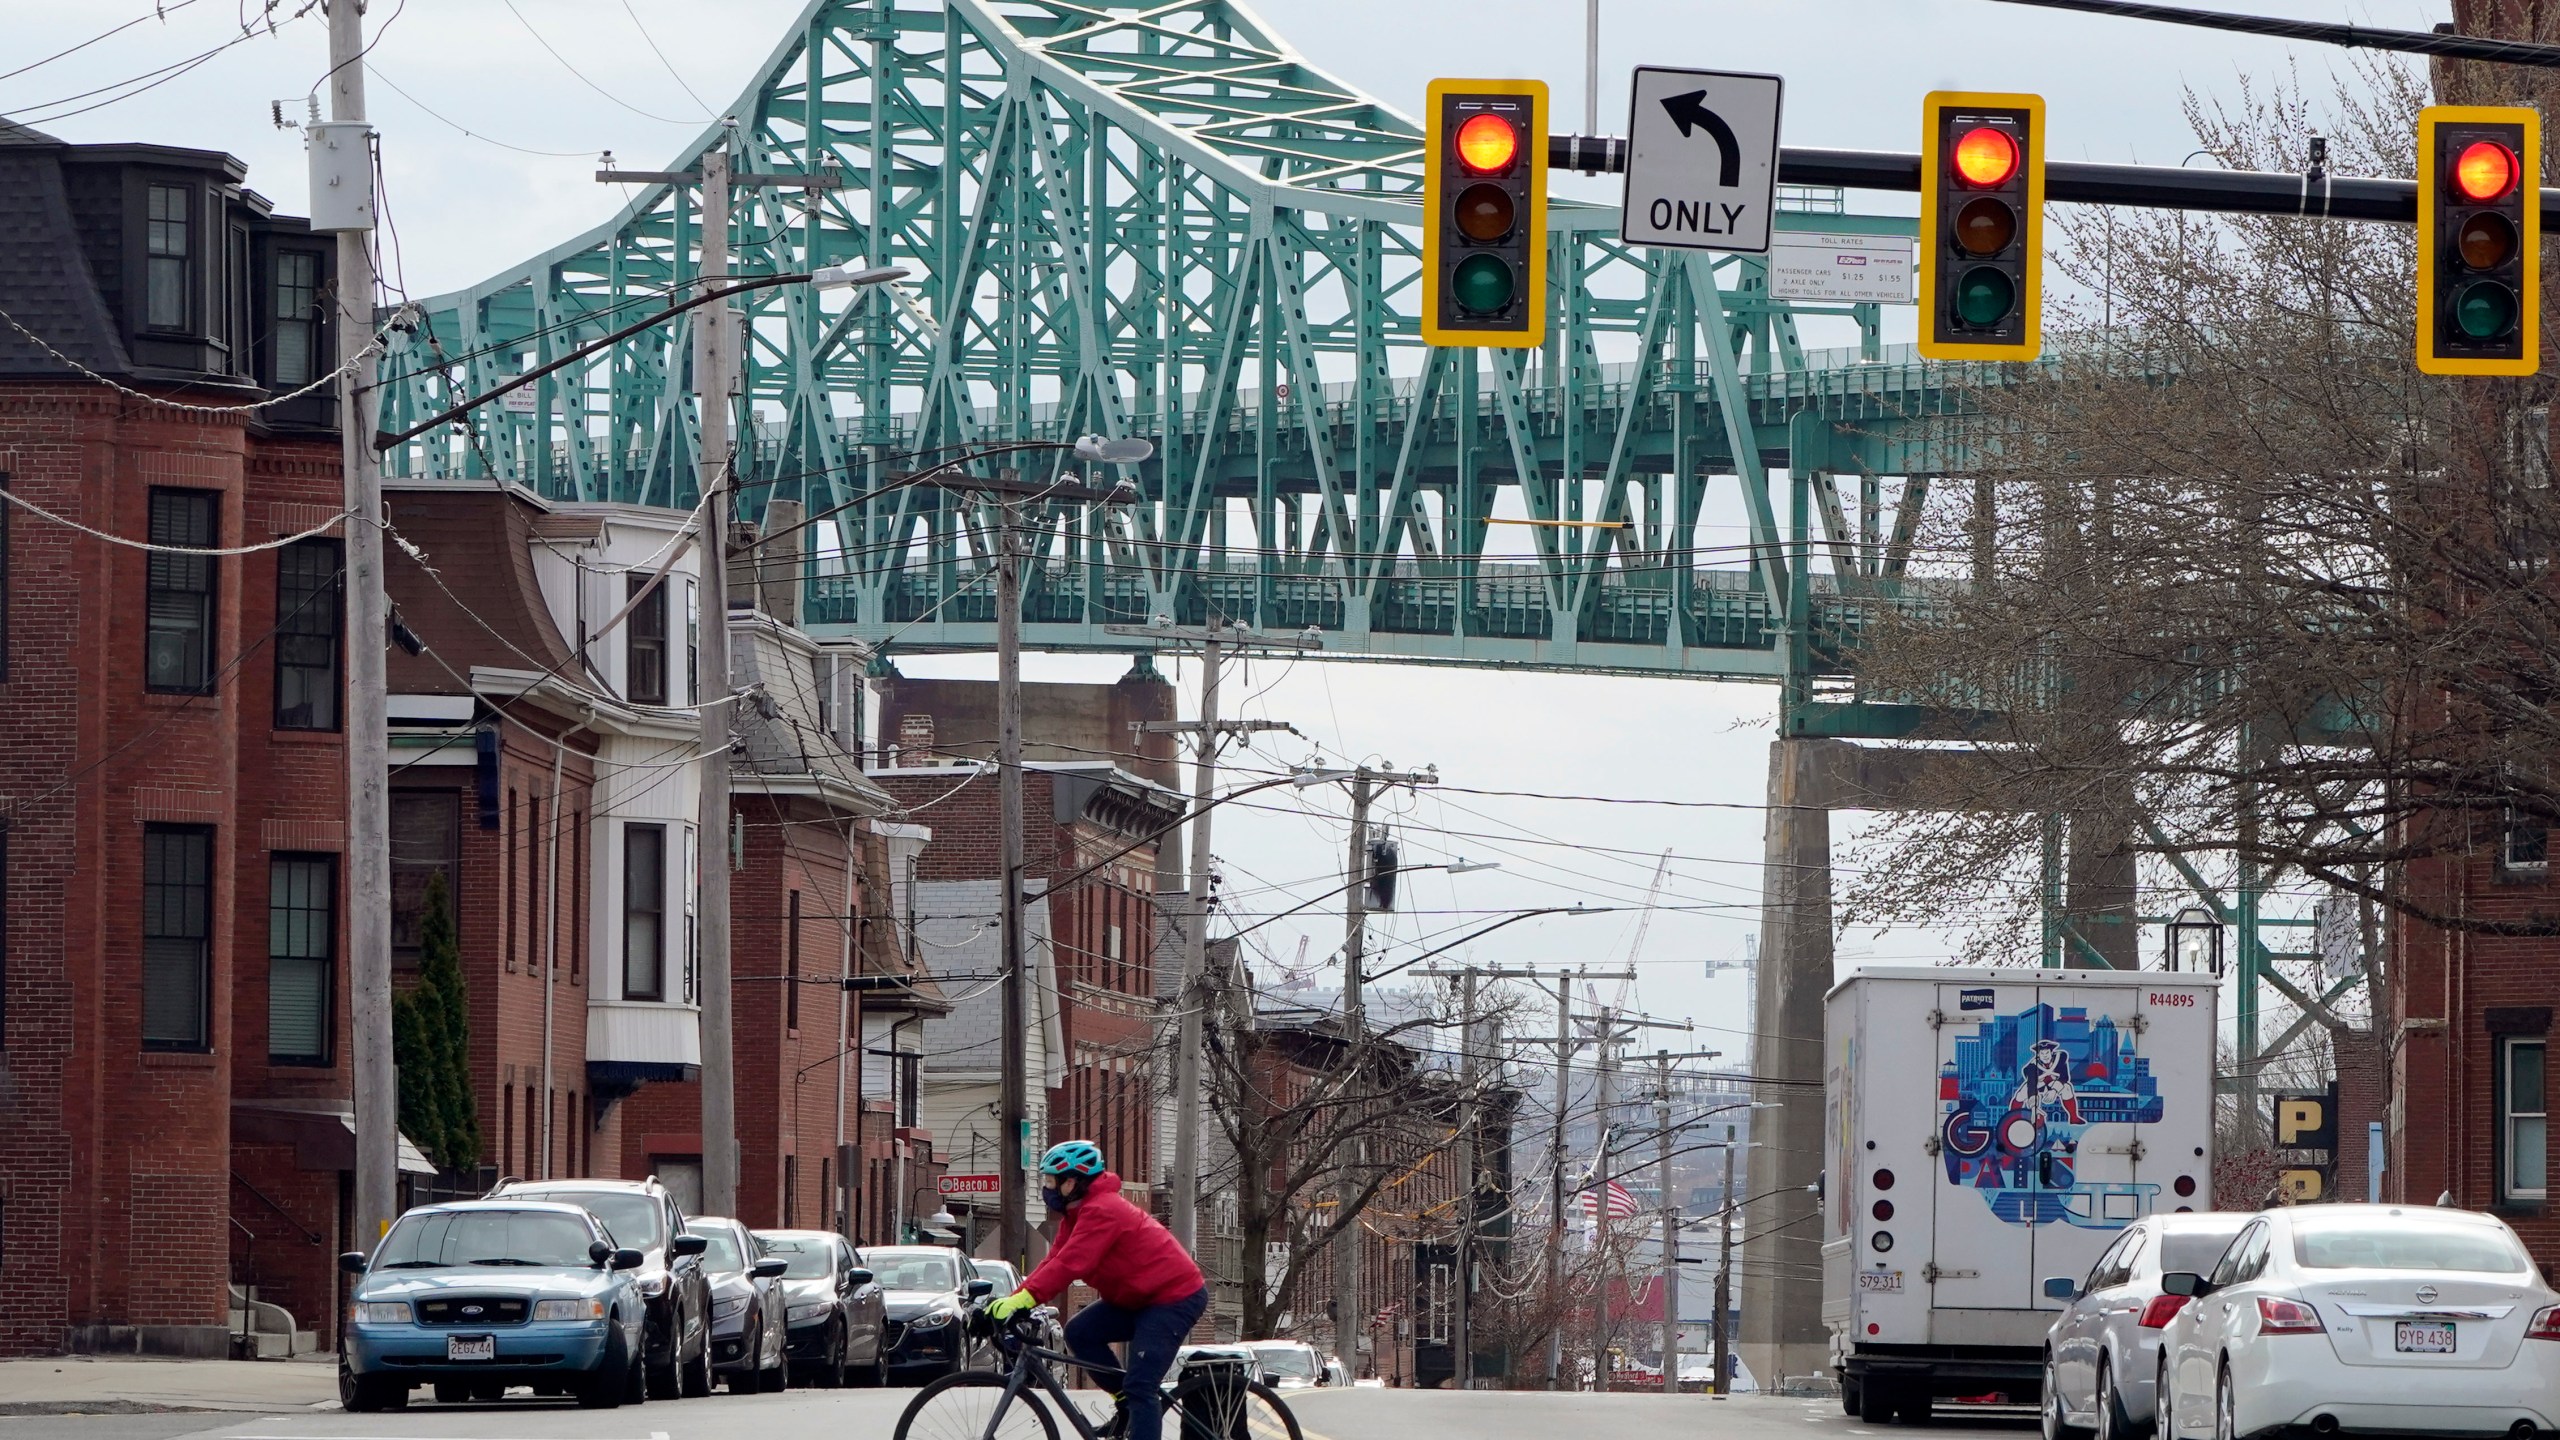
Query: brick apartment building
1102, 785
173, 1058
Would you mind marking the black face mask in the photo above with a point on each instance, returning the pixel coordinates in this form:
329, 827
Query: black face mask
1051, 1200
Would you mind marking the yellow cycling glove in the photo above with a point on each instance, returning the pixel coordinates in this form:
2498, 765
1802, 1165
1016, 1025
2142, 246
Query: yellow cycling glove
1011, 1305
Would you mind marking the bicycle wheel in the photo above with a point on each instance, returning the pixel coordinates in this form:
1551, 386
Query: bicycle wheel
963, 1406
1190, 1414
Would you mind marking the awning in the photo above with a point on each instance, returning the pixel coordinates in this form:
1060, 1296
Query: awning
322, 1139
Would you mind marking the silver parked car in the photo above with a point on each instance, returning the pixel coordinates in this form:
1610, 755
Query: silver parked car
2102, 1354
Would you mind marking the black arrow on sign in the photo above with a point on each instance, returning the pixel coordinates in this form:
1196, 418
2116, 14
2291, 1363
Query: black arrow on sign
1690, 113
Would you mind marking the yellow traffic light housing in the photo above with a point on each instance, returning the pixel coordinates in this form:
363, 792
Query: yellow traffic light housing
2479, 240
1484, 206
1981, 226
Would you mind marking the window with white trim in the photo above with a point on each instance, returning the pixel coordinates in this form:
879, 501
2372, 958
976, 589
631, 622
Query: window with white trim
2524, 1119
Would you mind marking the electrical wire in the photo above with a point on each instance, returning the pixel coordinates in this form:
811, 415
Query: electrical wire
582, 76
672, 72
159, 12
139, 84
376, 72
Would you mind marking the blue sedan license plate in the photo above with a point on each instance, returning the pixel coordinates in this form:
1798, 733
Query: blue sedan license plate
471, 1347
2423, 1337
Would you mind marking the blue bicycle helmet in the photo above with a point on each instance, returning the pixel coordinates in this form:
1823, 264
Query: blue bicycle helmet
1072, 1157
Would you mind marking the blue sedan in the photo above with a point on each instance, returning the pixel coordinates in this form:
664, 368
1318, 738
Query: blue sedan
474, 1297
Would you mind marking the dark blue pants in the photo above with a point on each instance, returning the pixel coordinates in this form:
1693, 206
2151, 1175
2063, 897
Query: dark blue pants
1152, 1334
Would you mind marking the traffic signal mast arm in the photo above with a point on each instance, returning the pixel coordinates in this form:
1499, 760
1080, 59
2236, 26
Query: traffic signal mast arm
2154, 187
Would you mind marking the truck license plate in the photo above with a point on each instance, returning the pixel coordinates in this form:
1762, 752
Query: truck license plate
1884, 1281
471, 1347
2423, 1337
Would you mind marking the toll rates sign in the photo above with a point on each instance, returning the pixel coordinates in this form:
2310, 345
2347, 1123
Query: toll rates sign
1702, 159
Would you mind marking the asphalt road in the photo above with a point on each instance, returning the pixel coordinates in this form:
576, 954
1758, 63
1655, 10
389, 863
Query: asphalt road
1357, 1414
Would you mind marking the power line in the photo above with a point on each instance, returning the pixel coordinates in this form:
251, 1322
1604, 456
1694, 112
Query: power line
582, 77
161, 12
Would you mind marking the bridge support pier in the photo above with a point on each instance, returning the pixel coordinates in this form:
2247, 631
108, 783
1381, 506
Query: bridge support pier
1782, 1330
1782, 1334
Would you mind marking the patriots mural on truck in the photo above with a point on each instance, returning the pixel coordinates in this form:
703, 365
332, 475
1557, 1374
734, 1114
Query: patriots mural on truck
2017, 1098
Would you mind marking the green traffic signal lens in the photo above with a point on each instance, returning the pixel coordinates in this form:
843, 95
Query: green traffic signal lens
1483, 285
2485, 240
1985, 296
1985, 227
1485, 213
2484, 310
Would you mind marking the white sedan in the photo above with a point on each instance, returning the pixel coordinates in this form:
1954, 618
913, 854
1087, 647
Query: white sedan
2364, 1319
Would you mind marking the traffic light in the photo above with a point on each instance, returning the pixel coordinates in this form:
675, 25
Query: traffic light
1484, 203
1981, 226
2479, 240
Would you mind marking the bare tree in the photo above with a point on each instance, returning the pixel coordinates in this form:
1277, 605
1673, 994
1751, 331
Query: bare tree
2241, 587
1320, 1130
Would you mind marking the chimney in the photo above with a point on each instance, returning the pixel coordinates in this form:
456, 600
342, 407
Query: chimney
915, 742
778, 578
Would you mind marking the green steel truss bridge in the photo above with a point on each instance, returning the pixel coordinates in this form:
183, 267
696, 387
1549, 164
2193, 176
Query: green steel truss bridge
1158, 219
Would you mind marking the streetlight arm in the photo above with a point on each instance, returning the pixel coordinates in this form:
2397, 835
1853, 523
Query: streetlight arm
1480, 934
383, 440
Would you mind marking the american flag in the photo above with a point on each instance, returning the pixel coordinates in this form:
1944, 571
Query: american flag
1622, 1206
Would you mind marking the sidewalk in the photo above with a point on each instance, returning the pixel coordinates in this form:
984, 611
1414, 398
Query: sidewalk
113, 1385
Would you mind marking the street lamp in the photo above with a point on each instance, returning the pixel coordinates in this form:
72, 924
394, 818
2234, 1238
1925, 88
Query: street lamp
2195, 942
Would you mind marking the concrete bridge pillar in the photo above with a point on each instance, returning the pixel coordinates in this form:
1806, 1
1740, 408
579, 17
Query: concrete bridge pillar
1781, 1288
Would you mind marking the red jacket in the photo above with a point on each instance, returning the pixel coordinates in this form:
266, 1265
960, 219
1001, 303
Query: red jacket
1118, 1249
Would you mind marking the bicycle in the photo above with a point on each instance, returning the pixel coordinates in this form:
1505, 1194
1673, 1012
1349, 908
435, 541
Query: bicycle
1211, 1398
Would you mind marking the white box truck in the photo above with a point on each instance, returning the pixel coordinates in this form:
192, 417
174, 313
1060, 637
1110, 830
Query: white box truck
1986, 1128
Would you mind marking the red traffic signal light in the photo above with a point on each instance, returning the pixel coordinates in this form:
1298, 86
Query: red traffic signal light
2484, 171
1986, 157
2479, 240
1487, 144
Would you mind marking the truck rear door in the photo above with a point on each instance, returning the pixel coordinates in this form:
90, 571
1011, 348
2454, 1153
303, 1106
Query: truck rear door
1985, 1166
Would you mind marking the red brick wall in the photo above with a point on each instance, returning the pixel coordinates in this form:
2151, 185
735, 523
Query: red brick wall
107, 1150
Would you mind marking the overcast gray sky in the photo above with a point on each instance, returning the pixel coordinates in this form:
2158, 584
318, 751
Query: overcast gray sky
642, 78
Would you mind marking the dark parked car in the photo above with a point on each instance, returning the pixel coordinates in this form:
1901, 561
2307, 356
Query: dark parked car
927, 1287
1006, 1279
835, 1309
641, 1214
475, 1297
747, 1304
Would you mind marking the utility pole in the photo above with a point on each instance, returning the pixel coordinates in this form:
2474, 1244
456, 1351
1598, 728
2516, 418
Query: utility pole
1472, 1217
1611, 1024
716, 384
715, 391
377, 1095
1347, 1324
1670, 1223
1013, 1219
1724, 1268
1213, 639
1607, 1101
1565, 1044
1469, 1191
1555, 1161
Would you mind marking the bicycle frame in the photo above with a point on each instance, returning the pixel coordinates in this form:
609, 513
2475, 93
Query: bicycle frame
1026, 1374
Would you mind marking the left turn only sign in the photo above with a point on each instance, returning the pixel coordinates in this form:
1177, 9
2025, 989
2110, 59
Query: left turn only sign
1702, 160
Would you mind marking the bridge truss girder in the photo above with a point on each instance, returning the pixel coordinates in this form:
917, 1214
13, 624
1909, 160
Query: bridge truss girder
1158, 219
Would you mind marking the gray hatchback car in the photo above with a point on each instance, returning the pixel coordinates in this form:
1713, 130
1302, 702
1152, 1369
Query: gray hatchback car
2101, 1355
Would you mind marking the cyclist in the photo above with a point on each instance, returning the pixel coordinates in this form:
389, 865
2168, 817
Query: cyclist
1151, 1290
